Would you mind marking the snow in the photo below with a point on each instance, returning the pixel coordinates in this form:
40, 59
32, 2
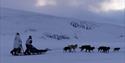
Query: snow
29, 23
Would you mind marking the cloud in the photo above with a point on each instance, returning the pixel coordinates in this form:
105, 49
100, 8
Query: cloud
110, 11
93, 6
41, 3
110, 5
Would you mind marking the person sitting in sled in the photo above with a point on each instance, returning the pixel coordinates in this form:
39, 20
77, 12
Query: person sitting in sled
30, 49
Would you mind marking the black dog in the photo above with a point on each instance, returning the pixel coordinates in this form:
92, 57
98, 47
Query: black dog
73, 47
67, 49
70, 48
103, 49
87, 48
116, 49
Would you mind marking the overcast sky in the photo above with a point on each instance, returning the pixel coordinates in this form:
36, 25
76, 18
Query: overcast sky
109, 11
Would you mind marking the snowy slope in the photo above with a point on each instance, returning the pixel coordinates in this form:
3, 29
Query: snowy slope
41, 25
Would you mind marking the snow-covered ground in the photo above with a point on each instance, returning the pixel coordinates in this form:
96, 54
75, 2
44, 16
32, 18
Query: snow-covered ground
29, 23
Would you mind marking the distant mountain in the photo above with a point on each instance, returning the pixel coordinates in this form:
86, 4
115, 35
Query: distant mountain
57, 28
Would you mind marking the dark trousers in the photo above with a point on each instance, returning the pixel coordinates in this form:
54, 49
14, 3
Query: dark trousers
27, 51
16, 51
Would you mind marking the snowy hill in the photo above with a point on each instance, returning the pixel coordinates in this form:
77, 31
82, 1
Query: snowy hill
56, 32
26, 22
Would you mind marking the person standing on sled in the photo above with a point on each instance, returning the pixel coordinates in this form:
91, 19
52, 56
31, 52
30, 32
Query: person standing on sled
17, 50
29, 47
